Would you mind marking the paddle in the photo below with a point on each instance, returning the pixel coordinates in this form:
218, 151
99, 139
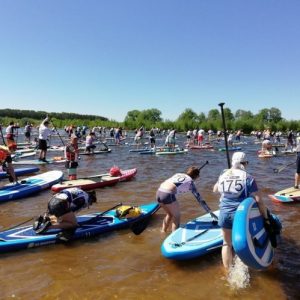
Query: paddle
205, 206
225, 134
15, 226
138, 226
190, 239
278, 170
59, 136
206, 163
54, 128
92, 220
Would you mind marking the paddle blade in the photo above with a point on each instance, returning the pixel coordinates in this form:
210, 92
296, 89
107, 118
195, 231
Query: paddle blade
139, 226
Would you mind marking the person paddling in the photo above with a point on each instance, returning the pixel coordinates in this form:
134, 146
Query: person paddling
44, 133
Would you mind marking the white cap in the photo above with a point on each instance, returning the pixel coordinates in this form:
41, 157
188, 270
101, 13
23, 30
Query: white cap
238, 158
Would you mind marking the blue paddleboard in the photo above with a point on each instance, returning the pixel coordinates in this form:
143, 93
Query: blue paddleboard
89, 225
21, 171
249, 237
193, 239
30, 185
230, 149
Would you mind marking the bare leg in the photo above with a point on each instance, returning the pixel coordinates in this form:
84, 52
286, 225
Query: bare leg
227, 253
297, 179
172, 217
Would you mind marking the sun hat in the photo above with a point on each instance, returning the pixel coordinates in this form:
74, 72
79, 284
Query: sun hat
238, 158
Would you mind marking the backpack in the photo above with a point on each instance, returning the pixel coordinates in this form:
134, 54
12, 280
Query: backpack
126, 211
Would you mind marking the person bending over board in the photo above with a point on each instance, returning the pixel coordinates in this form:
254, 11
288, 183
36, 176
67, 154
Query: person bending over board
235, 185
166, 196
61, 211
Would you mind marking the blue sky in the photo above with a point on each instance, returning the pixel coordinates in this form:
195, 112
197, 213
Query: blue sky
108, 57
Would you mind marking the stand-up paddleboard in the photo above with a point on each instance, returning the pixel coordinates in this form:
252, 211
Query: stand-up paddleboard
202, 147
19, 155
30, 185
96, 181
230, 149
196, 238
239, 143
54, 160
171, 152
286, 196
250, 240
149, 151
20, 172
139, 150
89, 225
96, 152
26, 150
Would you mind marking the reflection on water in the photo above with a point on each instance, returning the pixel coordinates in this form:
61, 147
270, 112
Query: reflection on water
120, 265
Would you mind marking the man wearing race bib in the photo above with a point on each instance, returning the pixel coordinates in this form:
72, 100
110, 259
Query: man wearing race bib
166, 196
235, 185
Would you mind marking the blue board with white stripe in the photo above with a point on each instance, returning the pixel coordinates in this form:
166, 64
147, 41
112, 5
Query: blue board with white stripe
249, 237
196, 238
24, 237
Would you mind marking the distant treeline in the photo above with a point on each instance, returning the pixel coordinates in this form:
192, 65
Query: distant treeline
188, 120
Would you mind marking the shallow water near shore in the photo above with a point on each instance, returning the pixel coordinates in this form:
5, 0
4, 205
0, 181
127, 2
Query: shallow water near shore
121, 265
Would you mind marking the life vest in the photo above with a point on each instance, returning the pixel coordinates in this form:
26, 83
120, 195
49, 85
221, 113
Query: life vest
71, 151
126, 211
4, 152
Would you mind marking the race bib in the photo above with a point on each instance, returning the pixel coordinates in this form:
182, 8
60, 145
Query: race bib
232, 183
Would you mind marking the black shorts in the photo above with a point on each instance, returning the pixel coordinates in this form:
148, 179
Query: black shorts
58, 207
42, 145
8, 159
298, 163
27, 134
164, 197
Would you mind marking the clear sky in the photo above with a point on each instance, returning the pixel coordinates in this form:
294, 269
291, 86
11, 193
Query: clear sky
108, 57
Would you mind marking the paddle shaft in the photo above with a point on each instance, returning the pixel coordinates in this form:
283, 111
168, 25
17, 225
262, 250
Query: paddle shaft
191, 238
100, 215
206, 163
225, 134
58, 134
15, 226
203, 204
283, 167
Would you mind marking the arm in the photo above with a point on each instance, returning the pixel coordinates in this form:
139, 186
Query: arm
261, 205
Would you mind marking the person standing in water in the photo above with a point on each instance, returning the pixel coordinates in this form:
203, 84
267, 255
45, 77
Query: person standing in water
235, 185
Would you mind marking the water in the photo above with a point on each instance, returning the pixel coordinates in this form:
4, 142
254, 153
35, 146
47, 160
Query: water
121, 265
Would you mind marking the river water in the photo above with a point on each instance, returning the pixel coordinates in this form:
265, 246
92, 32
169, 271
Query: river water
121, 265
